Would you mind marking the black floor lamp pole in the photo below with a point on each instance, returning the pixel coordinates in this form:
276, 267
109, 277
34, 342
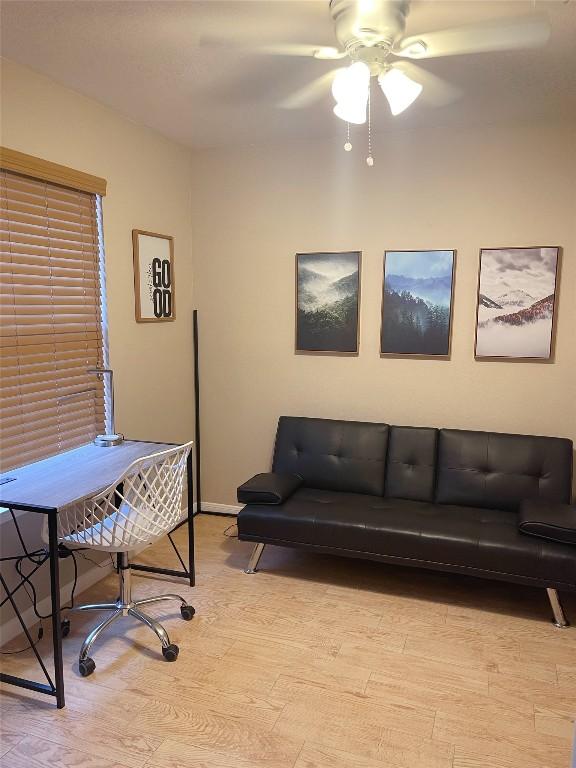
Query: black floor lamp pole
197, 410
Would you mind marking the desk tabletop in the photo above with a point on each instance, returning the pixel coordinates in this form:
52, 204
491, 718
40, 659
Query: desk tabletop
67, 477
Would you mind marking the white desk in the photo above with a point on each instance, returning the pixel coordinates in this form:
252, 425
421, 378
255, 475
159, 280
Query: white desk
60, 480
49, 485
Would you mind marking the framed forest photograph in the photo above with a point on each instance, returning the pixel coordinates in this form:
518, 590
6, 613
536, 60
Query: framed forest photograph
327, 302
516, 302
417, 303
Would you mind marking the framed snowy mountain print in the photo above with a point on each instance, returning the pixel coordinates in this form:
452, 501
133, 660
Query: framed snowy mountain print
417, 303
516, 303
327, 302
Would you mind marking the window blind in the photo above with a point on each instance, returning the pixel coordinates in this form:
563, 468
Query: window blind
51, 320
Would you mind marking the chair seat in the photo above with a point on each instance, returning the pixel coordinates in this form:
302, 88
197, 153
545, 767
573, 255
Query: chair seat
464, 537
123, 530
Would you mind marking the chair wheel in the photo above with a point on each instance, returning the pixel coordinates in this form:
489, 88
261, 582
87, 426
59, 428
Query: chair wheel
86, 666
187, 611
65, 627
171, 652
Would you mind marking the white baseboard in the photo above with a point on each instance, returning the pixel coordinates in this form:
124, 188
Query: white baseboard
220, 509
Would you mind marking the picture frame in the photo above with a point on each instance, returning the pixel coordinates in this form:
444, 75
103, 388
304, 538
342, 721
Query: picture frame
516, 304
154, 284
327, 312
417, 303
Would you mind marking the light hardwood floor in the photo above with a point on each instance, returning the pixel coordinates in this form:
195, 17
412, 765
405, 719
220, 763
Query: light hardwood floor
313, 662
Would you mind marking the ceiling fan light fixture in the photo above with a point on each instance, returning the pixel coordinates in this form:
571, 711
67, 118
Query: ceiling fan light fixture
350, 90
399, 89
351, 113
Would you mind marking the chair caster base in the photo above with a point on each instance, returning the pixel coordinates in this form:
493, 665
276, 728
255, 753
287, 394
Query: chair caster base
187, 612
86, 666
171, 652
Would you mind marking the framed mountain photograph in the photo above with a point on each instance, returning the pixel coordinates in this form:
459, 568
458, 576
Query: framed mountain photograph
327, 302
417, 303
516, 302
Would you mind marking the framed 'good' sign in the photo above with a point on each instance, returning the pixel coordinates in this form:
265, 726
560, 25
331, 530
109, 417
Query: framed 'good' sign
153, 276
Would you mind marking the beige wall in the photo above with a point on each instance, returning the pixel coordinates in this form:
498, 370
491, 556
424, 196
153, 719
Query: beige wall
255, 208
149, 187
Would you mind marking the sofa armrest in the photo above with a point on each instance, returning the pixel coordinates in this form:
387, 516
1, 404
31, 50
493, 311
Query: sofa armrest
555, 522
268, 488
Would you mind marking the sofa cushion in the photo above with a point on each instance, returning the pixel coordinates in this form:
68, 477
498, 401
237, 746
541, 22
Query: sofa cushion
464, 537
347, 456
499, 471
311, 516
410, 467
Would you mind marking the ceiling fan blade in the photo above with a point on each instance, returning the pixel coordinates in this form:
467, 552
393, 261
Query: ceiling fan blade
495, 35
435, 90
310, 93
326, 52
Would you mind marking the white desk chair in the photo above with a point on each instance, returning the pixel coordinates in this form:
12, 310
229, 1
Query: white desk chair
142, 505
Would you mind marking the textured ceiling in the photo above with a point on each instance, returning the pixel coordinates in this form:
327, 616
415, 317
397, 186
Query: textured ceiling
147, 60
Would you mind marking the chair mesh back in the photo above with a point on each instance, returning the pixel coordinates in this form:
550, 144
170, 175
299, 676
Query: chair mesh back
139, 507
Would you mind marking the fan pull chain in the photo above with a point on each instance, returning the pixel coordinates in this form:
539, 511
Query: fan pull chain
370, 159
348, 145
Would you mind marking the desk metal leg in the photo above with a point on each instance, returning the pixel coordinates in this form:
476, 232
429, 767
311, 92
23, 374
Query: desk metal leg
190, 500
56, 621
55, 688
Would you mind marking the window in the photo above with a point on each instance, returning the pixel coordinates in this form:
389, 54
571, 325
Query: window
52, 307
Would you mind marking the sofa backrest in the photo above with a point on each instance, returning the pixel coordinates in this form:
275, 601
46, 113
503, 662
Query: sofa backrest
411, 463
345, 456
499, 471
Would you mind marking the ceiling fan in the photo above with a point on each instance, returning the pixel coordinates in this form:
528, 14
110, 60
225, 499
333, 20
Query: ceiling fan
371, 37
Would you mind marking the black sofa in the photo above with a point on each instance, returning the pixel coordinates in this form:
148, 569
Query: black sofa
481, 503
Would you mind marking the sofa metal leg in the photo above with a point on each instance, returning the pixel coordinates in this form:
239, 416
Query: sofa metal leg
559, 619
254, 558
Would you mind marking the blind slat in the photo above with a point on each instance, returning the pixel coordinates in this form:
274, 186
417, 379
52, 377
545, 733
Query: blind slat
50, 319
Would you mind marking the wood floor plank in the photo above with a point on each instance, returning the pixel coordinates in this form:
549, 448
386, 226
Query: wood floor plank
234, 735
412, 682
373, 653
313, 756
71, 730
8, 740
409, 751
493, 754
331, 676
566, 676
306, 717
554, 724
516, 692
173, 754
33, 752
520, 745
